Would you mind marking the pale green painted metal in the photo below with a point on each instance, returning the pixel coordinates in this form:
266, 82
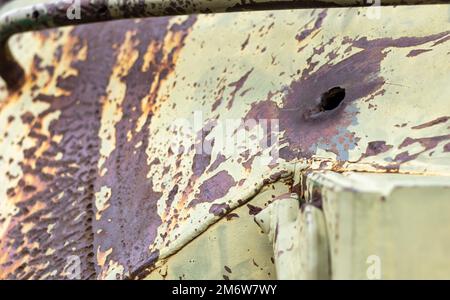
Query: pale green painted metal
384, 226
50, 14
299, 237
280, 56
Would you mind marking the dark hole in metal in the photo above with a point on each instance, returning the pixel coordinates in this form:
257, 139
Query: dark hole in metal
332, 98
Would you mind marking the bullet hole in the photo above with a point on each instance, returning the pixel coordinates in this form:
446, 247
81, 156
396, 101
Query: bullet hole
332, 98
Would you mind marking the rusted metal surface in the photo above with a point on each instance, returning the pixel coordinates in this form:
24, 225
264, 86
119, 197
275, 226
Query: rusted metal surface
49, 14
87, 161
233, 248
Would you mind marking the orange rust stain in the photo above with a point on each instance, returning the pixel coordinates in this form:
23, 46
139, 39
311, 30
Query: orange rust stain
180, 210
149, 54
171, 48
63, 65
127, 55
112, 108
102, 256
32, 186
7, 251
